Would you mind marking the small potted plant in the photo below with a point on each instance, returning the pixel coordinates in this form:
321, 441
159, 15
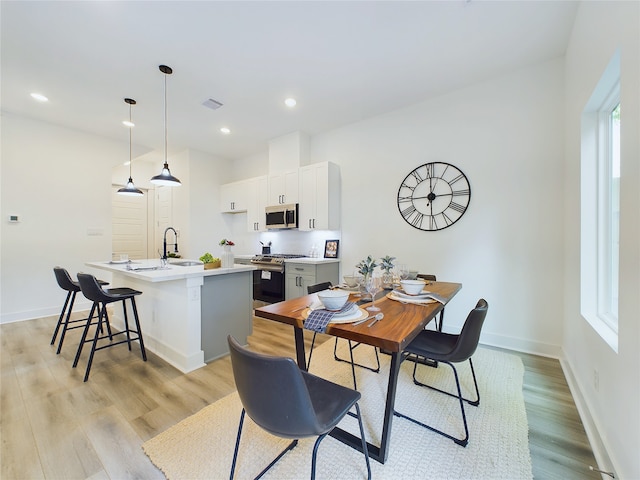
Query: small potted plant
210, 261
227, 254
366, 268
386, 264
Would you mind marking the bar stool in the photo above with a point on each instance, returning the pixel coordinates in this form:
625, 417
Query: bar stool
101, 298
66, 283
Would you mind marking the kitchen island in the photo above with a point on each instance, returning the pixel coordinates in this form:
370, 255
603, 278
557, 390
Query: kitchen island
186, 312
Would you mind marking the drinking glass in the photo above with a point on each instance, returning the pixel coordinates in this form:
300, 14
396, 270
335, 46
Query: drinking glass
403, 271
374, 285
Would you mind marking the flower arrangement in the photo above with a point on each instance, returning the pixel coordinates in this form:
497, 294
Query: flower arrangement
224, 241
387, 263
367, 266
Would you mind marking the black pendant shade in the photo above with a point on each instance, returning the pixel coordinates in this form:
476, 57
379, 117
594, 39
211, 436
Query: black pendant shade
165, 178
130, 189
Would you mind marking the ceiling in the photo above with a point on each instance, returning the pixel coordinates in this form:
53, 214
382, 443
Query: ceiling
342, 61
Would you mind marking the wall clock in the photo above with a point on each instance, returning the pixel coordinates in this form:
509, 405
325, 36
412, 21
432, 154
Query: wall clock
434, 196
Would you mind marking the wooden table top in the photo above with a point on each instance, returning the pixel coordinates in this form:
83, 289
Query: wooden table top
401, 322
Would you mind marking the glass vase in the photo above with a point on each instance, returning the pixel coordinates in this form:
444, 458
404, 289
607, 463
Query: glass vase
226, 259
387, 280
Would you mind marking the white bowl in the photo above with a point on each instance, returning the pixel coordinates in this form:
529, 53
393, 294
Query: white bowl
412, 287
333, 300
350, 280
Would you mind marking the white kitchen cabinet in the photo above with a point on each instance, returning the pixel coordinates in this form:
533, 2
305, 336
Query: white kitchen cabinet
258, 197
319, 197
283, 188
233, 197
298, 276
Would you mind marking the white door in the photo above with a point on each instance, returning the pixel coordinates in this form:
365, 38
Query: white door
129, 225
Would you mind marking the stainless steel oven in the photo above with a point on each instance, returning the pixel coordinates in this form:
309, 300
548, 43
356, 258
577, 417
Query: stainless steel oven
268, 279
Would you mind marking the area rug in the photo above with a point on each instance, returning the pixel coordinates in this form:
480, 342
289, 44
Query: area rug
201, 446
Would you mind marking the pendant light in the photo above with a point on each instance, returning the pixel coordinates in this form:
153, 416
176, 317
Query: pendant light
130, 189
165, 178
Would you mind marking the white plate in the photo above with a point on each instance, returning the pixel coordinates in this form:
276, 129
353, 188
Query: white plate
403, 297
119, 261
319, 306
400, 293
352, 315
347, 288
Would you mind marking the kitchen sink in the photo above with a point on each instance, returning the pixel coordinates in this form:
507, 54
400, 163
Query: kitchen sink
186, 263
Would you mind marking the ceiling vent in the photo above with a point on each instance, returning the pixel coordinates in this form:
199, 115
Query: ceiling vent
212, 104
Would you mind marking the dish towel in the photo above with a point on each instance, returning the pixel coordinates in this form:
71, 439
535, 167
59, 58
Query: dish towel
320, 318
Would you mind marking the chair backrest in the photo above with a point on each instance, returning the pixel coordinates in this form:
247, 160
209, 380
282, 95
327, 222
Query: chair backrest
427, 276
273, 393
91, 288
64, 280
470, 335
318, 287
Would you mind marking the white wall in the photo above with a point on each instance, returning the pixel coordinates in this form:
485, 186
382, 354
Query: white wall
59, 182
206, 224
614, 408
506, 135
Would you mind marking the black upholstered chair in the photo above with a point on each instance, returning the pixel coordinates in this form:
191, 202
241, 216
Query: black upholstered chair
318, 287
101, 298
66, 283
450, 349
311, 406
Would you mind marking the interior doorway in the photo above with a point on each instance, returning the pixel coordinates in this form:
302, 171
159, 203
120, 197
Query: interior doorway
131, 225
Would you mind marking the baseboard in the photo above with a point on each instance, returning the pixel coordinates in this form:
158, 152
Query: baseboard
78, 306
521, 345
597, 445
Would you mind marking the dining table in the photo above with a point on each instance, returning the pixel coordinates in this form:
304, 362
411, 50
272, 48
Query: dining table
403, 321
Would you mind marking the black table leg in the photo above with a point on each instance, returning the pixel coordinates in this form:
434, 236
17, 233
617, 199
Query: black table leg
301, 356
380, 453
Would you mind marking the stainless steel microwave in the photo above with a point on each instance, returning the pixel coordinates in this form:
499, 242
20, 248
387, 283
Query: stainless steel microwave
282, 216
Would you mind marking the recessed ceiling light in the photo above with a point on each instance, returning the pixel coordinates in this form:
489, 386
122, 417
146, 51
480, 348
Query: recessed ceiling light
290, 102
128, 123
39, 97
225, 130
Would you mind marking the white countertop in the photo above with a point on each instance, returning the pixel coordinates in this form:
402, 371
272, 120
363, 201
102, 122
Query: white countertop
307, 260
312, 261
171, 272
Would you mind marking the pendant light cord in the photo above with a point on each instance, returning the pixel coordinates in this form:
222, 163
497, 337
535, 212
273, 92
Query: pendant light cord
130, 161
165, 120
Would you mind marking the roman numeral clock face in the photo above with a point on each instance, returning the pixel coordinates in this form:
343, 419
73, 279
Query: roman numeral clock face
434, 196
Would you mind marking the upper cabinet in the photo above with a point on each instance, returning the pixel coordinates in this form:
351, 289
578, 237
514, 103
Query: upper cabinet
283, 188
319, 197
316, 188
233, 197
258, 195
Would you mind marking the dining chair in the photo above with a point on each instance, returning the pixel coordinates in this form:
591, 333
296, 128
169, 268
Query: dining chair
318, 287
450, 349
312, 406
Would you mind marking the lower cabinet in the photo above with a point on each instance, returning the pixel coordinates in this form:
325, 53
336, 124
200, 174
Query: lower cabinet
298, 276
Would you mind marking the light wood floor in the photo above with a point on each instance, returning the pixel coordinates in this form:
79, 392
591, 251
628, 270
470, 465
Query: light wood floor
52, 425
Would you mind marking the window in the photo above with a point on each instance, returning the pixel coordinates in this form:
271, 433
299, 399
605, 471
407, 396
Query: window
600, 205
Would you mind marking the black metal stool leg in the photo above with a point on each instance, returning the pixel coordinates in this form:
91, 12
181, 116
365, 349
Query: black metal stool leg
84, 334
66, 322
127, 330
64, 308
95, 341
137, 320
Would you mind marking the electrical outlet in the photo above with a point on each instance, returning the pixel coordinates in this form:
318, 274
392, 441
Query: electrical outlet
596, 380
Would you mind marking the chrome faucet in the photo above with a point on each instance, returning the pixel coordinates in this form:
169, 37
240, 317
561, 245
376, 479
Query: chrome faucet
164, 243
